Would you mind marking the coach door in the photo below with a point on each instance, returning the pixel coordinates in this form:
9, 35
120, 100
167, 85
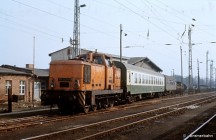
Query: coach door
129, 80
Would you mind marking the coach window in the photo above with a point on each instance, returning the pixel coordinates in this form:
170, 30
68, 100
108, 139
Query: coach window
157, 81
143, 80
146, 79
129, 77
135, 78
139, 78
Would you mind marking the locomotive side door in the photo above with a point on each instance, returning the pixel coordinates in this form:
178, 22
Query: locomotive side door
109, 73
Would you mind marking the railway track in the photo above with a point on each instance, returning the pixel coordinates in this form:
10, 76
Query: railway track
18, 123
14, 124
104, 128
206, 130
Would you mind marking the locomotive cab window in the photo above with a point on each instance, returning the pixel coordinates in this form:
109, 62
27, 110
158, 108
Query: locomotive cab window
108, 61
98, 60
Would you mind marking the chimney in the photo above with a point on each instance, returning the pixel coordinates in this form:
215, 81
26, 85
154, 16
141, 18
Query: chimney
30, 66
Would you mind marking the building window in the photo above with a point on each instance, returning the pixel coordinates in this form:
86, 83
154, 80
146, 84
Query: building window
7, 85
22, 87
43, 85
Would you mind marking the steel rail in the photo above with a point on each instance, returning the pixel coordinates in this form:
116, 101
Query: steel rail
123, 118
130, 125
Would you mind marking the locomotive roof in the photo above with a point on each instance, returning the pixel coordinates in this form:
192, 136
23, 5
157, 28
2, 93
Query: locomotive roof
67, 62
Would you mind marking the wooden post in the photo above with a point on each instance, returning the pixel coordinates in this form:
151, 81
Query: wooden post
9, 99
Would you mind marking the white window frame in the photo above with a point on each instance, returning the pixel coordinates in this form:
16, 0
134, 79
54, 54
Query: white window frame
7, 85
22, 87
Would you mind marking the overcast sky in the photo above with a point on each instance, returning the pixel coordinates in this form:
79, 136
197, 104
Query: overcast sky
149, 25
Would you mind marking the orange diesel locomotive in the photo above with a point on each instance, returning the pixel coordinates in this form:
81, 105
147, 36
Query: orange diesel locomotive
89, 81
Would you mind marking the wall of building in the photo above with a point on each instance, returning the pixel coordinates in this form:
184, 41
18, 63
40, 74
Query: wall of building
15, 79
60, 55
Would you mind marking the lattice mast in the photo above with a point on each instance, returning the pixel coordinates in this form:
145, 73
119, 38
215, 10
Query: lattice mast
190, 73
76, 29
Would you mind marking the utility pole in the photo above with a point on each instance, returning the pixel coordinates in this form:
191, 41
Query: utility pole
181, 67
34, 55
190, 77
76, 29
33, 77
211, 73
121, 42
173, 74
215, 79
207, 68
181, 58
198, 83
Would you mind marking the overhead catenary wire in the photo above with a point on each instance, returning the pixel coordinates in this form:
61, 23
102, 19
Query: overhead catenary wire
142, 17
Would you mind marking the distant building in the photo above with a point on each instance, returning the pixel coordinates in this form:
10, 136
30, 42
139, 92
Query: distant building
21, 81
144, 62
67, 53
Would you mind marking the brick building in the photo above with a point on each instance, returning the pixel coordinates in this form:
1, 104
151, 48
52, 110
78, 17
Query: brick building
25, 85
19, 81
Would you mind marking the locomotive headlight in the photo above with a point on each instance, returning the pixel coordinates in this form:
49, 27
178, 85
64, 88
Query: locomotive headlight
76, 84
52, 84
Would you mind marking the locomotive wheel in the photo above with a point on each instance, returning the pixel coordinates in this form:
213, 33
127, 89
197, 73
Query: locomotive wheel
86, 109
111, 103
158, 95
105, 105
99, 105
94, 107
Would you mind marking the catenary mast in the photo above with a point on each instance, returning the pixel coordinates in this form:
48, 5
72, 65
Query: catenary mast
76, 30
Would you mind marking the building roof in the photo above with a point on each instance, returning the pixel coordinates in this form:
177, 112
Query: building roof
42, 72
130, 60
83, 51
134, 60
11, 71
7, 69
59, 50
